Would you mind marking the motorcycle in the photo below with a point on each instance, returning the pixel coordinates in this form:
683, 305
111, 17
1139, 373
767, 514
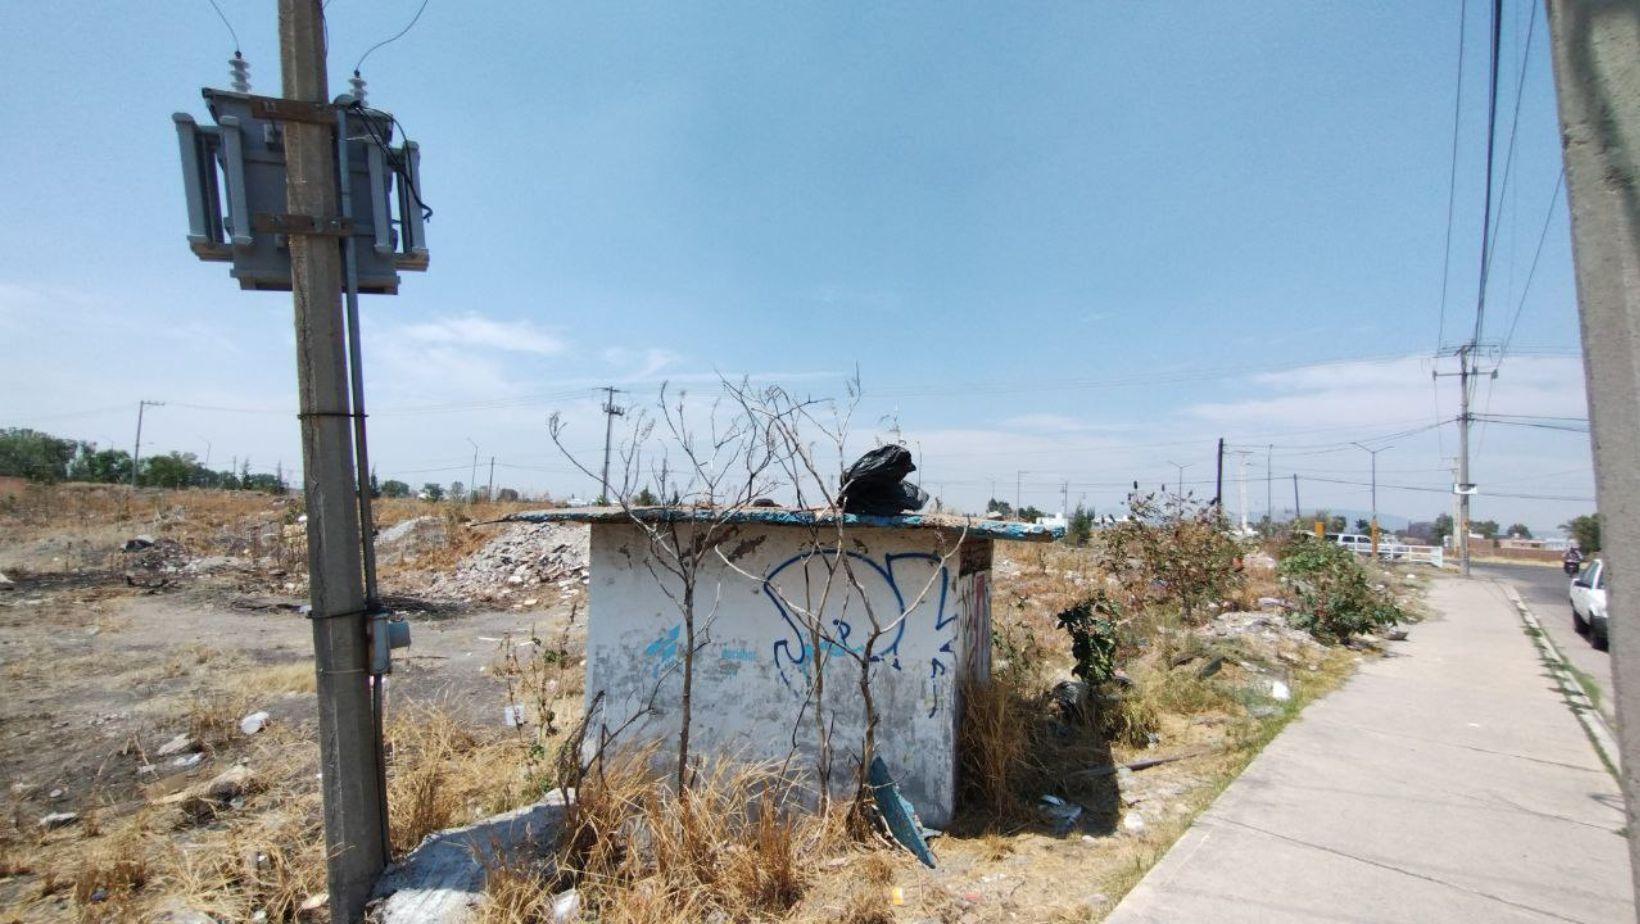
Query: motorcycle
1571, 566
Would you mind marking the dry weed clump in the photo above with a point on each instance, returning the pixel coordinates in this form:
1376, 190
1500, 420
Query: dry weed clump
737, 842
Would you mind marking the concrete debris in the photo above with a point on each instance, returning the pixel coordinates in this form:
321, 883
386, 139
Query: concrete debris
408, 541
1280, 692
233, 783
522, 555
176, 746
1272, 603
1133, 822
59, 820
1395, 635
253, 723
188, 760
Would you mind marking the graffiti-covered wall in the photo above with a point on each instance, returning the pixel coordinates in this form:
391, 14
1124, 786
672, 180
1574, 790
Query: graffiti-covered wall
760, 668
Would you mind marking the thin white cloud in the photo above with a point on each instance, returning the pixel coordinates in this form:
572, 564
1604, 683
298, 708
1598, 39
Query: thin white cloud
475, 330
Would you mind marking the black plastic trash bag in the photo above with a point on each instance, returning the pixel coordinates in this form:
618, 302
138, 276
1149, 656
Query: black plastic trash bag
875, 484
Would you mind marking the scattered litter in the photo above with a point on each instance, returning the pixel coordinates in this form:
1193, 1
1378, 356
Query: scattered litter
59, 820
253, 723
1395, 635
512, 716
897, 813
566, 906
188, 760
896, 896
7, 583
1133, 822
138, 543
1279, 691
1272, 603
1213, 665
1059, 813
314, 902
56, 794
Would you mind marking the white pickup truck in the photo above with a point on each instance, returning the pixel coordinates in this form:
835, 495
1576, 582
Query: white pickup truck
1588, 596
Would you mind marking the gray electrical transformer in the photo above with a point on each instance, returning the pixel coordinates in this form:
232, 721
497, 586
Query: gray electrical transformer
233, 174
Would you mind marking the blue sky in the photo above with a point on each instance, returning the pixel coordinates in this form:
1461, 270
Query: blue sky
1080, 240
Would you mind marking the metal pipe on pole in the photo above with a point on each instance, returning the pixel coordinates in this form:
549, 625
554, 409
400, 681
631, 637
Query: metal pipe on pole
1596, 61
350, 764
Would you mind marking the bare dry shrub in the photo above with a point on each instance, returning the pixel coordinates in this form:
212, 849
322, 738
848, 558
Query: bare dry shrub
429, 786
994, 745
734, 842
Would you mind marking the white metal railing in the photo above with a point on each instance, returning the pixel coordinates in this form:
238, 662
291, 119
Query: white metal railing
1418, 554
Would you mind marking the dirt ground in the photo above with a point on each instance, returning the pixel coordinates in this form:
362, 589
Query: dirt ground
107, 655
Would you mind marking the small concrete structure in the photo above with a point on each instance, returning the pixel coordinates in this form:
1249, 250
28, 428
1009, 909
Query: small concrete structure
775, 576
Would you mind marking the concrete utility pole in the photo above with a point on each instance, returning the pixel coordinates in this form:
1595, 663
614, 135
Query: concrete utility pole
489, 492
610, 413
1241, 485
136, 448
1298, 512
1596, 57
1218, 482
1019, 480
1269, 487
1374, 453
1464, 488
472, 478
1065, 499
349, 760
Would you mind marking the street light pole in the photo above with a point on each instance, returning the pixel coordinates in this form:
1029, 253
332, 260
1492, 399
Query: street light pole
1374, 454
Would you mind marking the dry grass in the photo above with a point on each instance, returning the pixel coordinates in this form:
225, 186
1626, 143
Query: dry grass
738, 842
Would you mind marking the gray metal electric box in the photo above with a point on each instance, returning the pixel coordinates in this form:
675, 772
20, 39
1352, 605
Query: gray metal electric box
233, 175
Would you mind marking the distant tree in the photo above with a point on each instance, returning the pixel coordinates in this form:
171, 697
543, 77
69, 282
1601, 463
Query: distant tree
1584, 530
1486, 529
101, 466
458, 491
172, 470
1337, 523
375, 486
1080, 527
999, 506
1519, 531
645, 498
1362, 524
506, 494
262, 481
432, 492
392, 487
34, 455
1030, 514
1441, 529
1421, 531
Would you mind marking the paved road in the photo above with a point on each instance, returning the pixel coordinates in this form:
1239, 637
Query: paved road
1544, 590
1447, 782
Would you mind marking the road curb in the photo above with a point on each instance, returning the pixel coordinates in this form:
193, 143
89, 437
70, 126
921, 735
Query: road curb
1588, 715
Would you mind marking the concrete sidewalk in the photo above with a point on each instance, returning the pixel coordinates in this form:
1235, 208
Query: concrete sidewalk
1448, 782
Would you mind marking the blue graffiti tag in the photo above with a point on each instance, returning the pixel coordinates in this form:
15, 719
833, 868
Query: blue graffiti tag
663, 651
797, 652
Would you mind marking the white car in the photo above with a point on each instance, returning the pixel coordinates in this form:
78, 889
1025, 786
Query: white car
1588, 595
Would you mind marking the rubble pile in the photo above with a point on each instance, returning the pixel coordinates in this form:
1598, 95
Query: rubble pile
403, 543
520, 559
1267, 636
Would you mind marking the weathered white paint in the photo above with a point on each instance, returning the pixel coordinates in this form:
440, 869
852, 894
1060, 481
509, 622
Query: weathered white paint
755, 676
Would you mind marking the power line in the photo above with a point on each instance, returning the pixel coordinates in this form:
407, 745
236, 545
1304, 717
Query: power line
400, 34
1554, 199
1491, 150
1452, 178
221, 16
